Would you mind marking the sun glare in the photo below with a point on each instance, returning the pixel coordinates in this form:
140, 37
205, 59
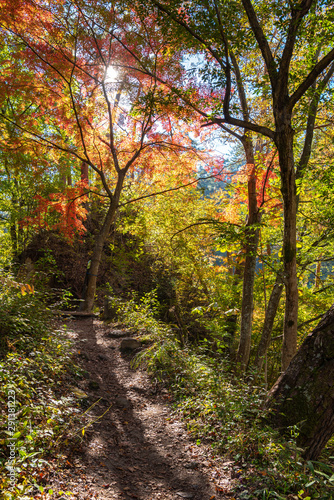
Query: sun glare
111, 75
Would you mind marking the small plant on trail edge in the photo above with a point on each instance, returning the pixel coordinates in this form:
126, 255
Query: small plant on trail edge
140, 313
37, 410
227, 413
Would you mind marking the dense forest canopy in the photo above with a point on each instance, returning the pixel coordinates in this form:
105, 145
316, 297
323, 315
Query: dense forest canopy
180, 150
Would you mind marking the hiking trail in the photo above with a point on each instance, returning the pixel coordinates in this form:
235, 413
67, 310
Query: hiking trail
136, 448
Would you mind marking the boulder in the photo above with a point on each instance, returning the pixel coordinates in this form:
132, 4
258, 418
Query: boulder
109, 309
122, 402
129, 344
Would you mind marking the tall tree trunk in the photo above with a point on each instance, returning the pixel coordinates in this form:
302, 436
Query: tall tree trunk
232, 319
252, 239
284, 142
304, 394
252, 230
270, 315
14, 239
99, 243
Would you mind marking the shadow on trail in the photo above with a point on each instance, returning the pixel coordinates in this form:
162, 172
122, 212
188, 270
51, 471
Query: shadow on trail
132, 446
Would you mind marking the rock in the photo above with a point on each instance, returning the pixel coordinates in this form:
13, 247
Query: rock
185, 494
129, 344
122, 402
117, 334
102, 357
109, 309
191, 465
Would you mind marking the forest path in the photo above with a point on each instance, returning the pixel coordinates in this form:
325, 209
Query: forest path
137, 449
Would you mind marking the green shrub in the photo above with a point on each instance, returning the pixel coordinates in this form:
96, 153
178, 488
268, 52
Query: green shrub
23, 315
34, 367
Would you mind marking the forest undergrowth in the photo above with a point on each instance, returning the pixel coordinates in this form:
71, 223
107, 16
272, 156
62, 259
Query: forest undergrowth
37, 371
39, 414
226, 411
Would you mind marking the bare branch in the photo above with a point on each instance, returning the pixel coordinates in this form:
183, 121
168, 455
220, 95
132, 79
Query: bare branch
259, 129
266, 178
204, 222
169, 190
310, 320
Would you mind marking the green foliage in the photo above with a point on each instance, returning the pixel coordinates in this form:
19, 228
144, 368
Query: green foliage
43, 420
23, 315
33, 369
140, 313
181, 233
226, 412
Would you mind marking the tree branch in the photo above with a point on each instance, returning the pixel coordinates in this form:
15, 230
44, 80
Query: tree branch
306, 153
283, 72
311, 78
168, 190
266, 178
201, 223
259, 129
193, 33
262, 42
310, 320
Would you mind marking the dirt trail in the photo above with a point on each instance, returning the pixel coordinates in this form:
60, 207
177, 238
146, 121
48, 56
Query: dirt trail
138, 449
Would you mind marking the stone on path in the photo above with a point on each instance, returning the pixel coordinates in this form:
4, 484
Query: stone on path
117, 334
129, 344
185, 494
123, 402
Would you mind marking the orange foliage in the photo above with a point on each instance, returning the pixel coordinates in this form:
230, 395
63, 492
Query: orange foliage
64, 212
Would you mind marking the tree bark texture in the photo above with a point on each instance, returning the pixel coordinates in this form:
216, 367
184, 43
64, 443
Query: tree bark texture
98, 247
252, 240
248, 296
271, 311
304, 394
84, 172
284, 141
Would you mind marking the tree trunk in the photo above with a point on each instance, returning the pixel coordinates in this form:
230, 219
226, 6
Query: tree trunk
84, 172
304, 394
98, 247
252, 239
247, 297
271, 311
284, 142
16, 209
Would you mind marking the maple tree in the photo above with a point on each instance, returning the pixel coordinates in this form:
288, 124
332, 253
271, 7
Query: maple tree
92, 108
199, 96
